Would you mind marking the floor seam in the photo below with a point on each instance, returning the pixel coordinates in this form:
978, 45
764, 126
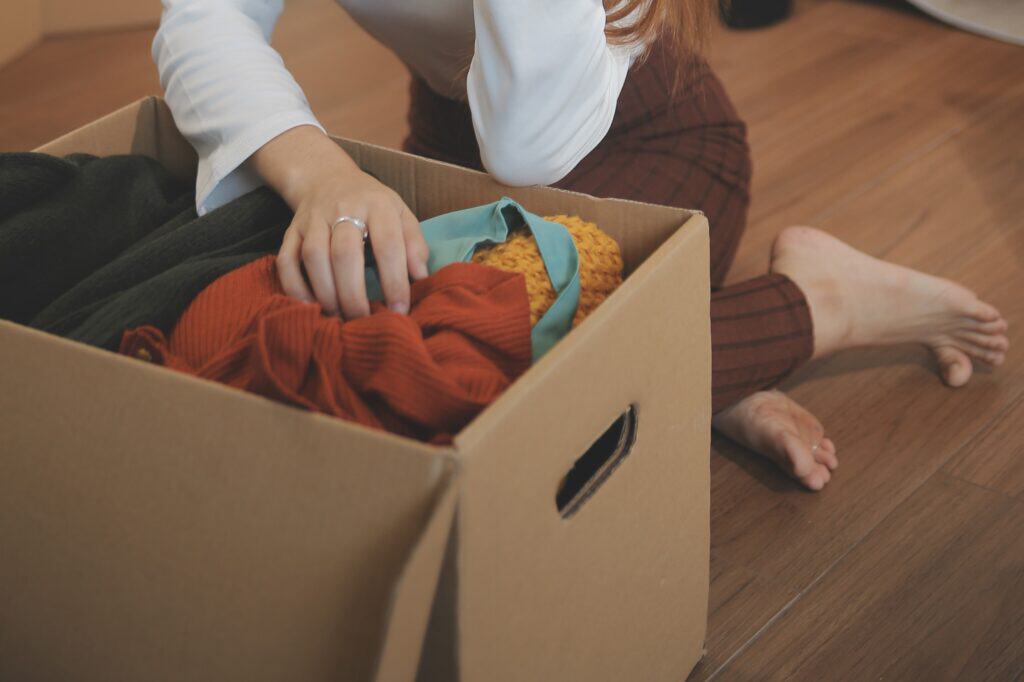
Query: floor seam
922, 151
1012, 402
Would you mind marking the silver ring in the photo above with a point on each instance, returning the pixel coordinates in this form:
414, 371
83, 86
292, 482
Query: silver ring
356, 222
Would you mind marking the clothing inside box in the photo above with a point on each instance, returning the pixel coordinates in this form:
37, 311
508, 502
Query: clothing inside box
139, 272
450, 188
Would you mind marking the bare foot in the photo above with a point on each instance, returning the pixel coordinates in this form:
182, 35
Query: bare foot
772, 424
857, 300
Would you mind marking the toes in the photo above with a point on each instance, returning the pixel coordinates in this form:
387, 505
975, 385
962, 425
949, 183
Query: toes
995, 327
955, 365
796, 456
826, 454
987, 348
817, 478
773, 425
995, 342
991, 357
984, 312
995, 359
802, 464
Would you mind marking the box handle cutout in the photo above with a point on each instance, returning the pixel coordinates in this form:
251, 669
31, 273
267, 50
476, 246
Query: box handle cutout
595, 465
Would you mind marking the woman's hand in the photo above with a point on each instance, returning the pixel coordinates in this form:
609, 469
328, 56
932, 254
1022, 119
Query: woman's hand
321, 183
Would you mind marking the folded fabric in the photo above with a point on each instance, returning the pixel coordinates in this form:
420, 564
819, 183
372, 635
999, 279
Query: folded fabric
424, 375
599, 257
91, 246
454, 237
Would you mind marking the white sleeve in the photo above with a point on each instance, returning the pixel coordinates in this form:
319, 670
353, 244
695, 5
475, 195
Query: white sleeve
227, 88
542, 86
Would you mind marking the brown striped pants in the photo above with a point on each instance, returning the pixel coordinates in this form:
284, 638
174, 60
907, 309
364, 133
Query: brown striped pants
688, 150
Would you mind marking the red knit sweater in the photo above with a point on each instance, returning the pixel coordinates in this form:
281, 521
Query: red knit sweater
423, 375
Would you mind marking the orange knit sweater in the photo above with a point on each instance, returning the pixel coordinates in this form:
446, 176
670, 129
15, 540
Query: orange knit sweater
423, 375
600, 265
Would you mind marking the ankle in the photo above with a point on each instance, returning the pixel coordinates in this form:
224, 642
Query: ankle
814, 262
831, 320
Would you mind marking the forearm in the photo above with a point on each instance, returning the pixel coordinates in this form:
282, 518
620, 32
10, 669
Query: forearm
227, 87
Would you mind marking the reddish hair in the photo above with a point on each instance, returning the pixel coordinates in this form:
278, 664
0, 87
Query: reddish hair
683, 25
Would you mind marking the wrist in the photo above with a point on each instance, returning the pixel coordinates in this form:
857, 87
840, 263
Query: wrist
294, 161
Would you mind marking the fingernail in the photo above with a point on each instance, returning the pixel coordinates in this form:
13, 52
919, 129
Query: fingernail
400, 307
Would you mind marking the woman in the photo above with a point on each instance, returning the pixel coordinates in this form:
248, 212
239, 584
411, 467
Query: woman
571, 94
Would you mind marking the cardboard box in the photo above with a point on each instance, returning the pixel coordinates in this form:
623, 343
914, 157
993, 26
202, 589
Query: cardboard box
158, 526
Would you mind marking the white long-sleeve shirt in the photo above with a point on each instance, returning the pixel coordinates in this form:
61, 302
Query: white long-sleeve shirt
542, 84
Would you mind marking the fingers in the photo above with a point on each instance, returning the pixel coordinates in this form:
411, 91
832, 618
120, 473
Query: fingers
315, 249
288, 268
335, 262
347, 264
388, 242
334, 254
416, 250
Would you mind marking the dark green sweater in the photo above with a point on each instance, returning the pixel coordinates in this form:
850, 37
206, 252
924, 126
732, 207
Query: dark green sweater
92, 246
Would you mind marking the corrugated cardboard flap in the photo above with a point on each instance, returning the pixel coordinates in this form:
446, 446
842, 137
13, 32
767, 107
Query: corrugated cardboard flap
415, 592
153, 522
622, 582
142, 127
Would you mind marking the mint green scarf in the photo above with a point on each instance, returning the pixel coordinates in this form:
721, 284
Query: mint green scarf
454, 237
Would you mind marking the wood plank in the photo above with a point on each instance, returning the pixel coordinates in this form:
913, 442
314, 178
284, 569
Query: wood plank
953, 212
740, 602
995, 459
21, 26
66, 16
356, 87
936, 593
66, 82
893, 422
849, 105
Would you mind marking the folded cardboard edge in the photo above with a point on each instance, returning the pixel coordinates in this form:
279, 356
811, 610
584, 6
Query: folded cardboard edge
154, 121
67, 345
141, 127
415, 591
96, 136
429, 186
351, 145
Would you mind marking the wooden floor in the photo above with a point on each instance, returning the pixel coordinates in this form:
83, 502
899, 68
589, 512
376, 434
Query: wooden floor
899, 135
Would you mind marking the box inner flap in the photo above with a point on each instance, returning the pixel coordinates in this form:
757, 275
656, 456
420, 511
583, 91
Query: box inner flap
147, 127
433, 187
